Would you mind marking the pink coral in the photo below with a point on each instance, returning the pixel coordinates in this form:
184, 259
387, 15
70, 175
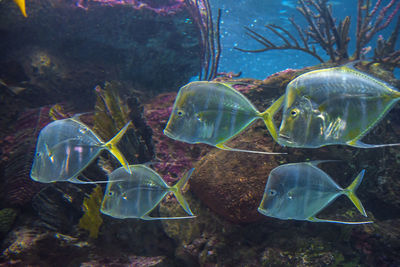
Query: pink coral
165, 7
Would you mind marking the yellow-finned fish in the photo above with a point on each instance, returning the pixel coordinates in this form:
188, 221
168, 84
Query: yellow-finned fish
334, 106
66, 147
136, 194
213, 113
21, 5
298, 191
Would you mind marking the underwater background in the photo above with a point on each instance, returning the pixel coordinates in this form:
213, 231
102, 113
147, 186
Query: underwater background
124, 60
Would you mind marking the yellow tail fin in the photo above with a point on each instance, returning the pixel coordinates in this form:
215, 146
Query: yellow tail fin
268, 117
21, 5
112, 147
350, 193
177, 190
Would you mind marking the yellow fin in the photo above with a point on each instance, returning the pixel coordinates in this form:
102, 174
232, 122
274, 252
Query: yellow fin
177, 190
315, 219
224, 147
268, 117
112, 147
21, 5
350, 193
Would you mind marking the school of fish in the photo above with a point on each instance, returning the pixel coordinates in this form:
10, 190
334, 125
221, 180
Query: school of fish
332, 106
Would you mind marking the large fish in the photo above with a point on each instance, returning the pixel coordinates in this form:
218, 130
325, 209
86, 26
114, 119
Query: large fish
299, 191
136, 194
66, 147
334, 106
213, 113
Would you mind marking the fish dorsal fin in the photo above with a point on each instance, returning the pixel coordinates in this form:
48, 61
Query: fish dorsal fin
317, 162
315, 219
224, 147
231, 84
148, 218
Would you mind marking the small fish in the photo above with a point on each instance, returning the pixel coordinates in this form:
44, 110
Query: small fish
21, 5
213, 113
136, 194
334, 106
66, 147
299, 191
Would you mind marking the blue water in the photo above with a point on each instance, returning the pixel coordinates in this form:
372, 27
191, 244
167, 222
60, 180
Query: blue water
255, 14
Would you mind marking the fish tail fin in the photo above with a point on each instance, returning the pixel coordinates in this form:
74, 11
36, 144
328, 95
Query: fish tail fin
268, 117
177, 190
112, 147
350, 193
21, 5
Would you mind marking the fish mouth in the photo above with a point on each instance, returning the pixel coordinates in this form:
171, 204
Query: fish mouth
262, 211
168, 133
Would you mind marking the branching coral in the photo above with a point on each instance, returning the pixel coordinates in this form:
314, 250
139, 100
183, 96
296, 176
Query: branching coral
200, 11
168, 7
91, 219
332, 37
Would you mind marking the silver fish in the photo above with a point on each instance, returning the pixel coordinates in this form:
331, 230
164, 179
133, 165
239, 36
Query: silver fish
136, 194
299, 191
212, 113
66, 147
334, 106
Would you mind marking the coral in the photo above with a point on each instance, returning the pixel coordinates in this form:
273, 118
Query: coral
168, 7
332, 38
112, 112
209, 39
173, 158
59, 206
7, 218
17, 156
91, 219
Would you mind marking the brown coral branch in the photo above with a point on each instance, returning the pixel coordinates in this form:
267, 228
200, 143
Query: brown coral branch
366, 30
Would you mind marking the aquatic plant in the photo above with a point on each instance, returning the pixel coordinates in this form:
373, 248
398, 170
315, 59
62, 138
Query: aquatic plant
209, 37
91, 219
331, 37
112, 112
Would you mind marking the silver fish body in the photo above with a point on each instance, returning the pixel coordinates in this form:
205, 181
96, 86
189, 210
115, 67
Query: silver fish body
136, 194
212, 113
66, 147
299, 191
333, 106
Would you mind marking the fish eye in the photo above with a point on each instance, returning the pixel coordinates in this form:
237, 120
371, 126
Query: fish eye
37, 154
294, 112
110, 193
272, 192
180, 112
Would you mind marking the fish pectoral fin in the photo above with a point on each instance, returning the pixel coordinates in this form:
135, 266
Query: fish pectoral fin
148, 218
315, 219
76, 180
360, 144
224, 147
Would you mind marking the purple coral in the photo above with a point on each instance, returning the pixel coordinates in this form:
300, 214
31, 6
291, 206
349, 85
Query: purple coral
163, 7
175, 158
